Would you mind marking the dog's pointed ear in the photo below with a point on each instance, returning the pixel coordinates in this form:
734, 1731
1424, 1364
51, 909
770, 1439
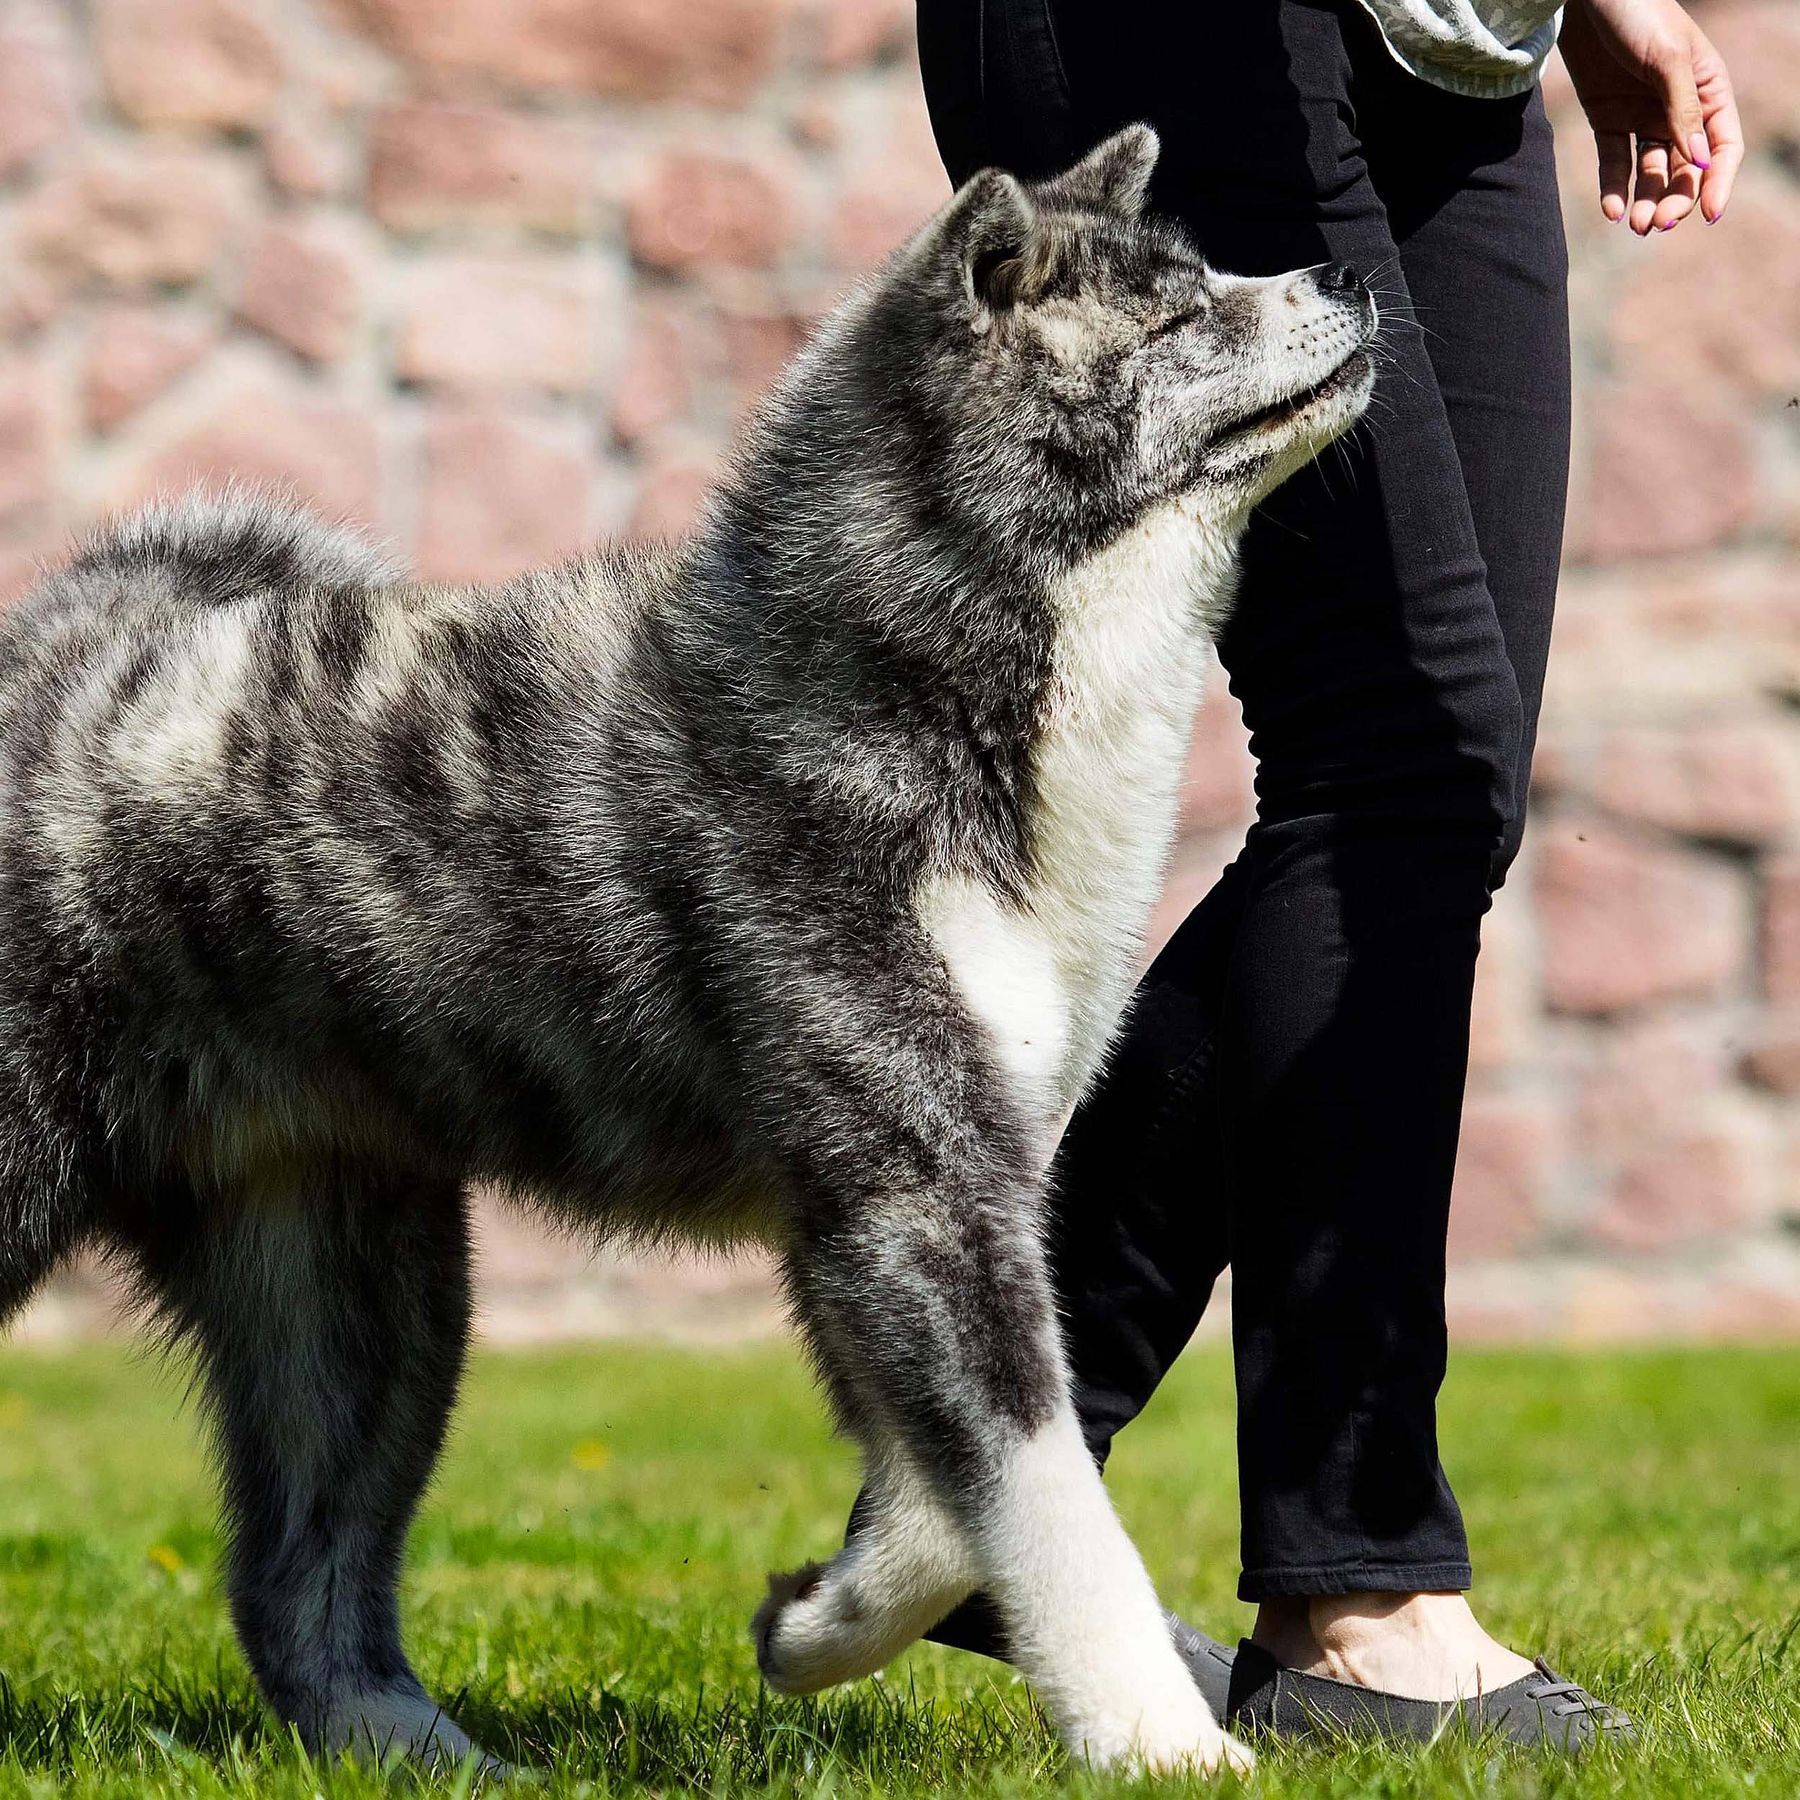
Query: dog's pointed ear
987, 232
1113, 177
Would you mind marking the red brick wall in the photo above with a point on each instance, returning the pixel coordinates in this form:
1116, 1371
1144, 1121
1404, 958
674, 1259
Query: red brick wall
495, 276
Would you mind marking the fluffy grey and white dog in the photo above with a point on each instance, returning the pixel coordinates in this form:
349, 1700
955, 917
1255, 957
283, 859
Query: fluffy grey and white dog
785, 882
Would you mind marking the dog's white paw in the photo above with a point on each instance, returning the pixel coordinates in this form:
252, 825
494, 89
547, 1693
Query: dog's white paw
1211, 1752
1156, 1747
1157, 1725
1238, 1756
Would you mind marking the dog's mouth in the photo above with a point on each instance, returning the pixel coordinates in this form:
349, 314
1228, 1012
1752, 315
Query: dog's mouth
1347, 374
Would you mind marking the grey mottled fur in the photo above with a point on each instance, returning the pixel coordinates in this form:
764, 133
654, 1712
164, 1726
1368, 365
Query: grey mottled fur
324, 895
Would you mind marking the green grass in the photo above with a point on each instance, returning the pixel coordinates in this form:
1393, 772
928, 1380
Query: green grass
581, 1578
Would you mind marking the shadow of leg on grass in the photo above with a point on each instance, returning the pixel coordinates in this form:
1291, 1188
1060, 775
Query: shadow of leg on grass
212, 1718
752, 1740
166, 1716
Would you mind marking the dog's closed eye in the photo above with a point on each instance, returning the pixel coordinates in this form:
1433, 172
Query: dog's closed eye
1175, 323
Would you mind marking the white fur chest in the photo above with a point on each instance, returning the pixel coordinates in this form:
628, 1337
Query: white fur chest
1050, 977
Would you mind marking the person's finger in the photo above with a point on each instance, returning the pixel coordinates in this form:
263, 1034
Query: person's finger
1615, 172
1681, 99
1682, 196
1724, 129
1727, 137
1652, 183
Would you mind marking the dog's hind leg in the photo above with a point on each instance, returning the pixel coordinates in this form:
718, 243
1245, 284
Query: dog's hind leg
330, 1323
930, 1308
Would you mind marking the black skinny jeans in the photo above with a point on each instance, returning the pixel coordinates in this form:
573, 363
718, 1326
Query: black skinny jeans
1287, 1095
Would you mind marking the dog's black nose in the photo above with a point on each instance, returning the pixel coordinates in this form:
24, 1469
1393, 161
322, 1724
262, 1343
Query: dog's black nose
1339, 278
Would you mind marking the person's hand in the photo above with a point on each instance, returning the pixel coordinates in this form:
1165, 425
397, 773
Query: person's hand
1659, 98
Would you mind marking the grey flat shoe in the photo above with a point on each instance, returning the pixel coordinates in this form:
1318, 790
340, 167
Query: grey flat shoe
1540, 1708
1208, 1661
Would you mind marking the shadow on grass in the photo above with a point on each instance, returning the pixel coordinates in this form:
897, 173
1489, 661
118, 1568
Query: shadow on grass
759, 1741
194, 1713
168, 1723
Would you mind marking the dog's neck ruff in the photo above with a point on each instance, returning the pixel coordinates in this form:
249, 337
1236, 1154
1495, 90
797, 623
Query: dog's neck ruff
1047, 970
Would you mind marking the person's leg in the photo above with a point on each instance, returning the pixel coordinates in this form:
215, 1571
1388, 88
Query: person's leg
1469, 190
1341, 1039
1323, 991
1480, 240
1374, 670
1386, 723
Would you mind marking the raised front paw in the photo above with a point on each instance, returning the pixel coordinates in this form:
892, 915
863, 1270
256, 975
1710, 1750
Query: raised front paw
838, 1621
801, 1643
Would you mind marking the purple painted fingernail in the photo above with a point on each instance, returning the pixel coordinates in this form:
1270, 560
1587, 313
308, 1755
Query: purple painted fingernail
1668, 225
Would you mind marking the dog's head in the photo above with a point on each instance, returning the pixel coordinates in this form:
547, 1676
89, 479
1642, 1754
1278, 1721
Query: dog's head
1056, 335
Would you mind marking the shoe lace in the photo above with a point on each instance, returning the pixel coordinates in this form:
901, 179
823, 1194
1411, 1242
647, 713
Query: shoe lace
1563, 1698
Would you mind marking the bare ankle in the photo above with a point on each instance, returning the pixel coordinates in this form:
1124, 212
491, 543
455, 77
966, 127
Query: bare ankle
1284, 1629
1342, 1621
1426, 1645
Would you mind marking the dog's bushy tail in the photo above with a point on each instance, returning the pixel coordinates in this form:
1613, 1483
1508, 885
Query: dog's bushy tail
228, 545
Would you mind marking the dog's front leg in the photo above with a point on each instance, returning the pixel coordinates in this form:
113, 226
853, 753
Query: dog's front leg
930, 1310
1082, 1619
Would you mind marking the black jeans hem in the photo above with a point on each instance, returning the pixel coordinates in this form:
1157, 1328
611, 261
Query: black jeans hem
1356, 1578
